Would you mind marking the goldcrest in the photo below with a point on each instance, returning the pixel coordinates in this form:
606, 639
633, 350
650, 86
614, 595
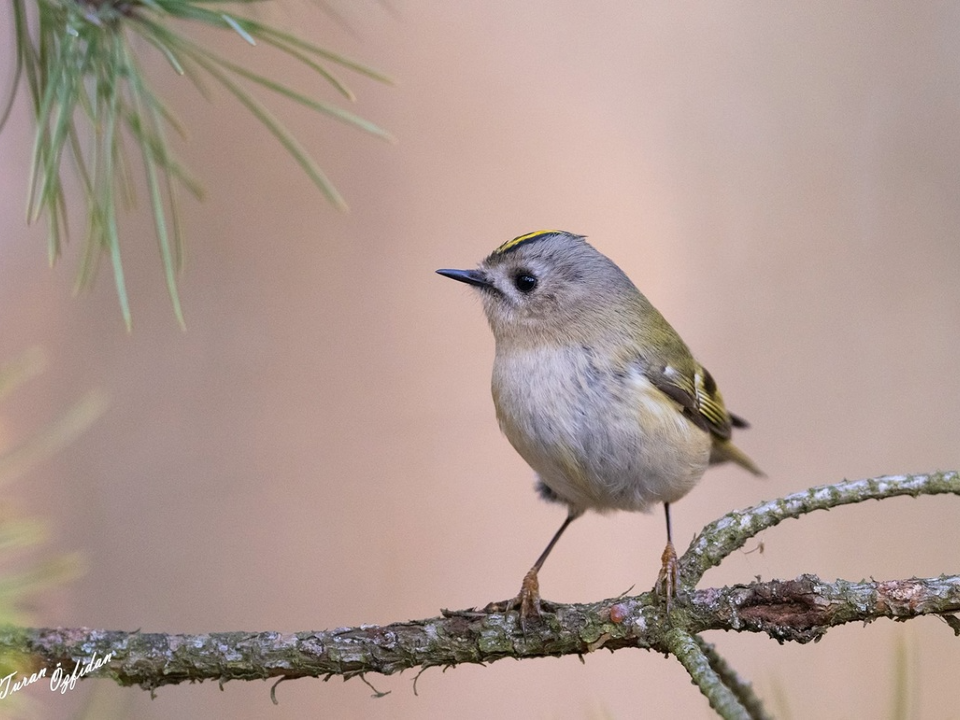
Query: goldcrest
595, 389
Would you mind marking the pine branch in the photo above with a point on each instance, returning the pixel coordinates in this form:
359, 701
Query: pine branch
84, 64
797, 610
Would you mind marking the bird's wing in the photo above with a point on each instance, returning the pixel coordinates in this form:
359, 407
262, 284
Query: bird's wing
696, 392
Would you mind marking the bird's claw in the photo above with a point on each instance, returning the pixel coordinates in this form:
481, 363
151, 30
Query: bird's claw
668, 581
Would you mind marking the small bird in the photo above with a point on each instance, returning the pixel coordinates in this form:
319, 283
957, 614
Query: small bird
595, 390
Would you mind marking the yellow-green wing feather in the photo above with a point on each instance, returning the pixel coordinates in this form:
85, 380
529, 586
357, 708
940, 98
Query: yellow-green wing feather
698, 396
702, 403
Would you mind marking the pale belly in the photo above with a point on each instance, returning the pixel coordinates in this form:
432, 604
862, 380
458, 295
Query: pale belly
599, 439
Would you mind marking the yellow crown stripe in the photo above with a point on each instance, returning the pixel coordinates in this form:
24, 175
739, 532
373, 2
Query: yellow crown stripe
510, 244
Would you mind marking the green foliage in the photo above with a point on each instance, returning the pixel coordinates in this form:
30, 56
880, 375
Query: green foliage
21, 577
91, 100
17, 533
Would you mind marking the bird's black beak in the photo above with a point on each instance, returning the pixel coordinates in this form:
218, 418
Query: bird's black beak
470, 277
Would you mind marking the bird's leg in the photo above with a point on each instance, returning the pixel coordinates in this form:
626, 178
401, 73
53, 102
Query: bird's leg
528, 601
668, 580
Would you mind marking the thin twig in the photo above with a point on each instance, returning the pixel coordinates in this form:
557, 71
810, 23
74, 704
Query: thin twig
743, 690
722, 699
731, 532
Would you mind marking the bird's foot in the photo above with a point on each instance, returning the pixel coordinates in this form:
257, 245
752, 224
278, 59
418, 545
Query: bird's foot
528, 602
668, 581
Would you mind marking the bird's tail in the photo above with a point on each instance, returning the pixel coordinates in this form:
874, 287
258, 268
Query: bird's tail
725, 450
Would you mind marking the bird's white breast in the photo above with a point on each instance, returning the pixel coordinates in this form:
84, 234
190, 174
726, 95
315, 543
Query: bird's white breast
599, 436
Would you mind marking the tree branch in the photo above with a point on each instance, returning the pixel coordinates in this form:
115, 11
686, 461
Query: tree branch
799, 610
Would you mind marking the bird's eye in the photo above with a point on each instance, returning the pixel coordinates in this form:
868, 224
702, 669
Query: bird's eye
524, 282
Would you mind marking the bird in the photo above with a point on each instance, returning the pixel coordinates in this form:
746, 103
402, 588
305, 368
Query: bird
595, 390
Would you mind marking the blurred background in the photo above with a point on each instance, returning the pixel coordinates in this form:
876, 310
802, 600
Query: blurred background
319, 448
